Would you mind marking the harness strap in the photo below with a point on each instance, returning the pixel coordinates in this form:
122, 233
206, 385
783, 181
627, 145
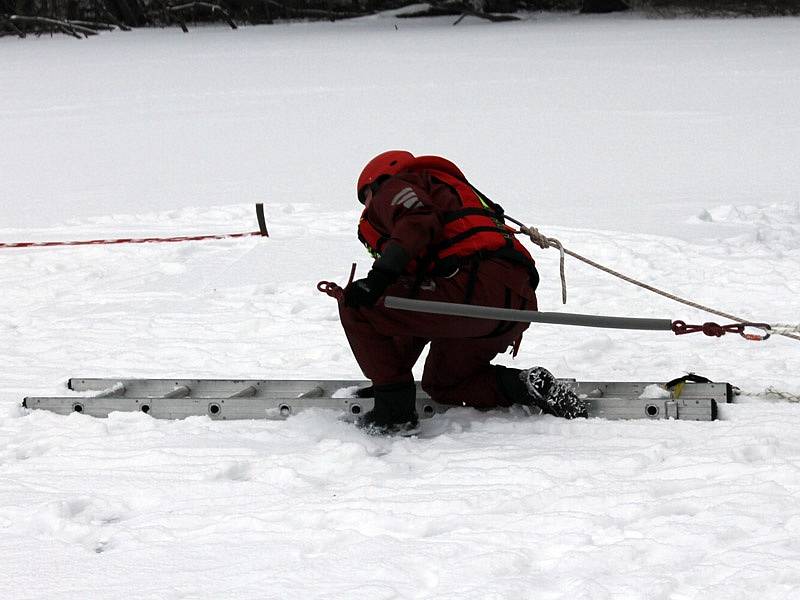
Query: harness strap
448, 243
423, 266
454, 215
475, 263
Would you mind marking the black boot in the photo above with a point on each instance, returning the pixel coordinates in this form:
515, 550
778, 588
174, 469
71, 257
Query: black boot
395, 410
538, 387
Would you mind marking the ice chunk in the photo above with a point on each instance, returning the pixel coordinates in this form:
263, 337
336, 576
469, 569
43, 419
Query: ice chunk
346, 392
655, 391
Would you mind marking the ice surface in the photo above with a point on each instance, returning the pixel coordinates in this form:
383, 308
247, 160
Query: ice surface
665, 149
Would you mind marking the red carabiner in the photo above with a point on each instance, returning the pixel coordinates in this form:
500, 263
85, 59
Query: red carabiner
333, 289
756, 337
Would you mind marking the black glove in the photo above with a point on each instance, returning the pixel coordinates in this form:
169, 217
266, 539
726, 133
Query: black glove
384, 272
366, 291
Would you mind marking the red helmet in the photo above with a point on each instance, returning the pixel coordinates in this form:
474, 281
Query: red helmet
386, 163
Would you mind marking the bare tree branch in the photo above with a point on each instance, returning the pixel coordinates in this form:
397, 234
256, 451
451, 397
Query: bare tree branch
5, 22
214, 8
68, 27
316, 12
488, 16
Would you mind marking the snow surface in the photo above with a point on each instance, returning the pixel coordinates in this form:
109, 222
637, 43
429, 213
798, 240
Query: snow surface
666, 149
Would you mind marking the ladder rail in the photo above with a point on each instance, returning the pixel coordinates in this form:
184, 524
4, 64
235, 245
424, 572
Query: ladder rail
237, 408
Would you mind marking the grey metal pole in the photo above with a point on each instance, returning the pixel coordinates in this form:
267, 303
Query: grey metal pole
525, 316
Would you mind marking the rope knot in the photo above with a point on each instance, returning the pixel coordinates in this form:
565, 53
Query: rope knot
537, 237
713, 329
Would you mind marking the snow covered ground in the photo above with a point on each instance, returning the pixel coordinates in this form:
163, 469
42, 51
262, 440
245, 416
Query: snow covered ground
665, 149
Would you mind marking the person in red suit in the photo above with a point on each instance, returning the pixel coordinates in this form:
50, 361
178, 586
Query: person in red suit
435, 237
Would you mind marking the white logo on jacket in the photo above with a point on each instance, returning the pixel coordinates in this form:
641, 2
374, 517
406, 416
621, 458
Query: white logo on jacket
407, 197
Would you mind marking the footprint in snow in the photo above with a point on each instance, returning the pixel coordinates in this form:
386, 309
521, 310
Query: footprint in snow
237, 471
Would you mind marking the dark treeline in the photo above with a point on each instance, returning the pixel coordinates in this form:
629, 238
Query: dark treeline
84, 17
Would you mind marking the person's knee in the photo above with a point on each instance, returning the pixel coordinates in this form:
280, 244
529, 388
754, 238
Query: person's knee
436, 381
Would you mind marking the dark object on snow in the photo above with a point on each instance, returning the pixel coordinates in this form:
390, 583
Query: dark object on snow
603, 6
483, 10
723, 8
677, 385
178, 9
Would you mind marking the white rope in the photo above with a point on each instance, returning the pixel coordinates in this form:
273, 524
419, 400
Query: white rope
771, 392
785, 328
544, 242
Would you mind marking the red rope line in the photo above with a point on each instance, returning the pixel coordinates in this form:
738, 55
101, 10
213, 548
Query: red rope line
262, 225
262, 231
716, 330
179, 238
